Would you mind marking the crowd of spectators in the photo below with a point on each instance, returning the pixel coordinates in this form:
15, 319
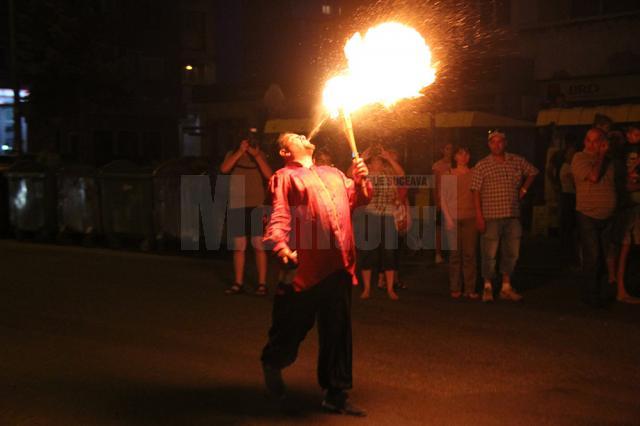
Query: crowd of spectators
478, 226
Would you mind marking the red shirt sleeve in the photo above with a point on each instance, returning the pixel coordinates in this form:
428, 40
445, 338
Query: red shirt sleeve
276, 235
356, 193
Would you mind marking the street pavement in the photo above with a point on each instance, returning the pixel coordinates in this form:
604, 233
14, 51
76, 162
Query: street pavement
92, 336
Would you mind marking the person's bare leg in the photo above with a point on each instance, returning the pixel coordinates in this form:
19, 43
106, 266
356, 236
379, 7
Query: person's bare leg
261, 259
622, 295
439, 258
366, 283
612, 268
389, 275
381, 283
506, 279
239, 249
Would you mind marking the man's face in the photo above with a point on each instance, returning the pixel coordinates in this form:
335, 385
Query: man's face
632, 160
633, 135
323, 159
447, 151
462, 158
497, 144
297, 145
593, 141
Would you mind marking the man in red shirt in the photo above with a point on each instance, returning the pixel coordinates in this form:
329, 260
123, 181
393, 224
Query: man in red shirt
310, 230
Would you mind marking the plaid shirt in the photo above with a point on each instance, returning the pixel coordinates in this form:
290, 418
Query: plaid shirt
385, 194
499, 183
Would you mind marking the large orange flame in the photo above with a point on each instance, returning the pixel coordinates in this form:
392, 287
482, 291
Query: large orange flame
391, 62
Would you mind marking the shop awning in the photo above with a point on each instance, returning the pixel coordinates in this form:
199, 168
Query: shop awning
467, 119
281, 125
584, 116
458, 119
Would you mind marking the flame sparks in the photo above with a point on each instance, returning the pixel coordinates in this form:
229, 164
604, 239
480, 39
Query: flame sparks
391, 62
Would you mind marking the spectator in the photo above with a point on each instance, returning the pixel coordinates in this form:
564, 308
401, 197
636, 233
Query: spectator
440, 168
628, 226
401, 200
249, 171
322, 157
459, 218
498, 189
602, 122
595, 205
567, 204
379, 220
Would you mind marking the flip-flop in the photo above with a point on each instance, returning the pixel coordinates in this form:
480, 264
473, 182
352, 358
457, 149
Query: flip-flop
629, 299
261, 290
235, 289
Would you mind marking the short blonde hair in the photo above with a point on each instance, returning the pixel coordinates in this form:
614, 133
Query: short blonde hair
284, 138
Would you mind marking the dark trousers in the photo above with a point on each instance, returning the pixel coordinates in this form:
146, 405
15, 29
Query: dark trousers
594, 240
379, 248
293, 316
568, 238
462, 261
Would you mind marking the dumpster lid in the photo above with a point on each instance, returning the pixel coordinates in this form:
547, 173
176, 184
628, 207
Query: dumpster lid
183, 166
27, 166
74, 169
124, 167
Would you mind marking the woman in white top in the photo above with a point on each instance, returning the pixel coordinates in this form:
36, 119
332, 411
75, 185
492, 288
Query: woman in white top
249, 171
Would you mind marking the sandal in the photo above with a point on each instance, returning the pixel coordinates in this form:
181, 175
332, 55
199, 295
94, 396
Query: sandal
400, 285
261, 290
234, 289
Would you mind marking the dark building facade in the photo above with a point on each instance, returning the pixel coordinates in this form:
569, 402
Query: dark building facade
104, 78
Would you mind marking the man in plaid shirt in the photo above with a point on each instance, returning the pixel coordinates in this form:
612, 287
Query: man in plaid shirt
497, 184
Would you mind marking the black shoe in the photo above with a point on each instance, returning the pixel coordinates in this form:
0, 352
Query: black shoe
336, 403
273, 381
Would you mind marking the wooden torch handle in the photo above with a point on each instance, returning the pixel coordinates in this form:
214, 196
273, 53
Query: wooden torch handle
348, 130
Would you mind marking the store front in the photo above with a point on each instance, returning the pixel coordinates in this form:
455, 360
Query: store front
7, 138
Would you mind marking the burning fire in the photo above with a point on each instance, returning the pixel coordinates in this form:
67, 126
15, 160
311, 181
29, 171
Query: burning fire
391, 62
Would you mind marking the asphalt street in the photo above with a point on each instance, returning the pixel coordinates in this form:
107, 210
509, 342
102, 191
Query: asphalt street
92, 336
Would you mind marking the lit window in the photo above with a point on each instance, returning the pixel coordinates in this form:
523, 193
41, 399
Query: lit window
326, 9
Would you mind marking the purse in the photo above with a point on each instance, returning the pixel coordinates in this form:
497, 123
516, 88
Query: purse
401, 215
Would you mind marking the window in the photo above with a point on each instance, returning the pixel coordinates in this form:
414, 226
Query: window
503, 12
585, 8
326, 9
152, 146
620, 6
551, 11
199, 74
151, 69
194, 32
6, 129
561, 10
103, 145
71, 150
127, 146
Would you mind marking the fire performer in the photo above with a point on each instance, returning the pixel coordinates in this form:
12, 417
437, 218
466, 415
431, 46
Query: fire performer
310, 231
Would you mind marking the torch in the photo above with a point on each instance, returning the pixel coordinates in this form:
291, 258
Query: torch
391, 62
348, 130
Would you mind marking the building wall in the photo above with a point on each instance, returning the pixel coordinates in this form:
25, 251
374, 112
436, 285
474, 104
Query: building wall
578, 47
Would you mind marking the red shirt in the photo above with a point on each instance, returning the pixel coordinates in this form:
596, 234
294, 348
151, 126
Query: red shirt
312, 214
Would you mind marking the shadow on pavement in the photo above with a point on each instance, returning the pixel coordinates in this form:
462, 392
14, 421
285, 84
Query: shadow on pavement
153, 404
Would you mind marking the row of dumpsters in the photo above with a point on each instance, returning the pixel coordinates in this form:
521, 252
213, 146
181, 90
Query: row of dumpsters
120, 204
